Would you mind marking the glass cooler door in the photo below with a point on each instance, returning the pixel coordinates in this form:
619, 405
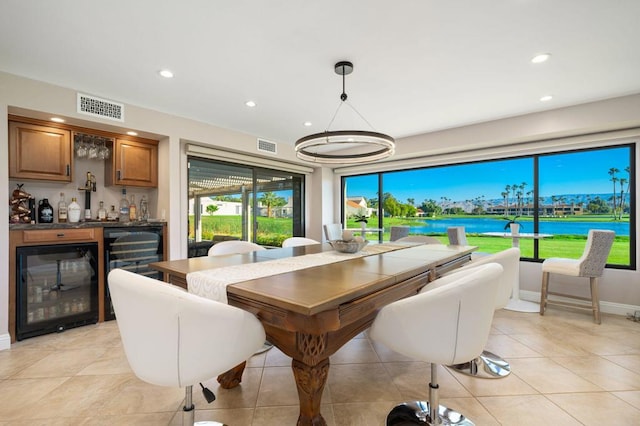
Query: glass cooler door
57, 288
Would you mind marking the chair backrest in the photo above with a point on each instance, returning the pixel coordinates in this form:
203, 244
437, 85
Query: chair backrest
298, 241
424, 239
233, 247
333, 231
446, 325
174, 338
398, 232
596, 252
509, 259
457, 236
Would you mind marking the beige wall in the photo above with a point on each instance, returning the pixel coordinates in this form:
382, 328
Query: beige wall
323, 190
24, 96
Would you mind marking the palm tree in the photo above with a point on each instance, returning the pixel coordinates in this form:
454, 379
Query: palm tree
270, 199
506, 200
612, 172
505, 197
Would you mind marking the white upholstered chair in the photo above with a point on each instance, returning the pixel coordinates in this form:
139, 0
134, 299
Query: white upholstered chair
424, 239
333, 231
398, 232
174, 338
445, 325
233, 247
238, 247
489, 365
590, 265
298, 241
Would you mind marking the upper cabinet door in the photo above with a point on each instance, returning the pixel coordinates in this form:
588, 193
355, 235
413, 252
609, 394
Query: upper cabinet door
133, 163
40, 152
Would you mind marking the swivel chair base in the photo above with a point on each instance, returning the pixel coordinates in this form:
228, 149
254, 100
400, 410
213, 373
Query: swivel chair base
417, 413
487, 366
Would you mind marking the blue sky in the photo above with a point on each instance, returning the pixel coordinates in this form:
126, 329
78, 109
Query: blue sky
572, 173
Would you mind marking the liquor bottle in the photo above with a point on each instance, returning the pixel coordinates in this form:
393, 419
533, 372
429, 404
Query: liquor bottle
133, 209
112, 215
124, 207
73, 211
144, 209
45, 211
102, 212
62, 209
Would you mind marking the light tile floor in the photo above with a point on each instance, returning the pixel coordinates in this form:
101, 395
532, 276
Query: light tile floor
566, 371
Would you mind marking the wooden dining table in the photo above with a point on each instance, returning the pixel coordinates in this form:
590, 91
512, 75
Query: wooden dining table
312, 312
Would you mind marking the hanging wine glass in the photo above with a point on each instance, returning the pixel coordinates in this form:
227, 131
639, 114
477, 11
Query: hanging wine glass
81, 148
92, 152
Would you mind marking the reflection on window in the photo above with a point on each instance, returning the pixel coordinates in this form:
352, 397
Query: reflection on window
560, 194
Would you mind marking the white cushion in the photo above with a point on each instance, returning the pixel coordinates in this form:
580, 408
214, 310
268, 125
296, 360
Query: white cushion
558, 265
174, 338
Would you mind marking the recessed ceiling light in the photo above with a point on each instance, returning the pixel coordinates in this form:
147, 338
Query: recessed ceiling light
543, 57
166, 73
546, 98
308, 123
132, 133
250, 104
57, 119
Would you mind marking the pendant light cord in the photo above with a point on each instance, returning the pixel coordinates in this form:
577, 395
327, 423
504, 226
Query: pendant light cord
343, 100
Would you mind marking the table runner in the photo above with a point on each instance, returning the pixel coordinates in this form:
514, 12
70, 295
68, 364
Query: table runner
212, 283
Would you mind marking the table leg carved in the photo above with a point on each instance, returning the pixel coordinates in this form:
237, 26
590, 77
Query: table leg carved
310, 381
232, 378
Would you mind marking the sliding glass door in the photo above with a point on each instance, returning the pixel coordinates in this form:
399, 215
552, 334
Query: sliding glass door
231, 201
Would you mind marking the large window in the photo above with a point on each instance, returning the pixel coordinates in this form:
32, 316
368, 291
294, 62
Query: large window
561, 194
230, 201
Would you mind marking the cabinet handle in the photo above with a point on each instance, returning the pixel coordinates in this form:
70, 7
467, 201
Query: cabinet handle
68, 170
117, 174
60, 235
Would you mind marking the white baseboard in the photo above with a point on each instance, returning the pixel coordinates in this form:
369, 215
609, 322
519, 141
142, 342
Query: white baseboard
5, 341
606, 307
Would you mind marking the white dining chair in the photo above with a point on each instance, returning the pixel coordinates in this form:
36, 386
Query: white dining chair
590, 265
174, 338
233, 247
488, 365
333, 231
298, 241
444, 325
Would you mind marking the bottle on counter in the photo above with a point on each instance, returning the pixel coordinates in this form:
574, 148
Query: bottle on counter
112, 215
45, 211
133, 209
73, 211
143, 213
102, 212
124, 207
62, 209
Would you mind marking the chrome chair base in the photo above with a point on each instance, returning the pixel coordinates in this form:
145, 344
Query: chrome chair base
487, 366
417, 413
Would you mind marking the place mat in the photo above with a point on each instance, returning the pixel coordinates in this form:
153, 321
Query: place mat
212, 283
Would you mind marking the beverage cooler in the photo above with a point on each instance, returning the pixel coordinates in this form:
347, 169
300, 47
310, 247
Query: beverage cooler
57, 288
132, 249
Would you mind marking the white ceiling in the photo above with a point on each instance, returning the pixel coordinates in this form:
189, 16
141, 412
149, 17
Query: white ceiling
420, 65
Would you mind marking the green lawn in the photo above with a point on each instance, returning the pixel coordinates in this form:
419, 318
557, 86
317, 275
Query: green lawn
272, 231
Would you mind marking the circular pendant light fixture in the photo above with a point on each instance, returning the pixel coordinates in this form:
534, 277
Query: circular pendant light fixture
345, 146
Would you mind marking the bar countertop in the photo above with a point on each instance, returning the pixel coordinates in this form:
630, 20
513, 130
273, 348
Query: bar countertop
83, 224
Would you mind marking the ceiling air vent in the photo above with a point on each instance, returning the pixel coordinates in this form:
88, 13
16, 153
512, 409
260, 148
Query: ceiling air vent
97, 107
268, 147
